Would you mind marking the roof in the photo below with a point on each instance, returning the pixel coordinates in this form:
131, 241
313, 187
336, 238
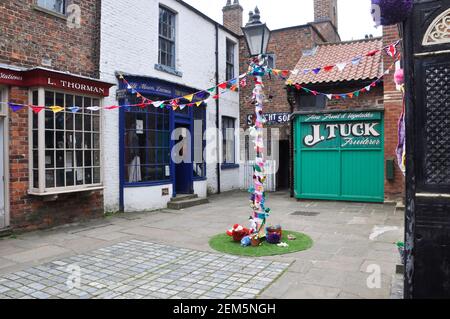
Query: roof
370, 67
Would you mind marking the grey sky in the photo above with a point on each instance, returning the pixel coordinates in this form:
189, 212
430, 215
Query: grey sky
355, 20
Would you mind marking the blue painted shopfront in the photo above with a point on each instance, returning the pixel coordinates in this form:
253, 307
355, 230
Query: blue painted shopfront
146, 142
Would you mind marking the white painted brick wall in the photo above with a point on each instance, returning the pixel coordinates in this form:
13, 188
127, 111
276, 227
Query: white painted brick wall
129, 43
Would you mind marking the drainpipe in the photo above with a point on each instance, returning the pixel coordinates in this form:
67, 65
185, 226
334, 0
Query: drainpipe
217, 110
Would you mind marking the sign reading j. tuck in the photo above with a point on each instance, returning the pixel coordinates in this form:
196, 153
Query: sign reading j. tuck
342, 130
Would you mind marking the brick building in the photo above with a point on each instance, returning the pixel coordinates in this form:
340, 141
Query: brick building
51, 161
283, 50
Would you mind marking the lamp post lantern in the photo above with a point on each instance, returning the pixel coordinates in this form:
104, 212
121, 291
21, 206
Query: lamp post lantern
257, 36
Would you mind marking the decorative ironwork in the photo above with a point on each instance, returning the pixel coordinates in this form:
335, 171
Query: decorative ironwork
437, 157
439, 30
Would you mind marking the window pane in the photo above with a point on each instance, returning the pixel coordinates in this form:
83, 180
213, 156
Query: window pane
87, 140
78, 140
78, 122
60, 178
96, 158
87, 123
49, 139
79, 176
35, 178
49, 159
69, 140
60, 139
60, 159
96, 123
70, 177
50, 179
49, 119
88, 176
96, 175
79, 158
69, 121
87, 158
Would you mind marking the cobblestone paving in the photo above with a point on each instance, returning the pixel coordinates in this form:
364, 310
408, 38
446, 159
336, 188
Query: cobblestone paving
142, 270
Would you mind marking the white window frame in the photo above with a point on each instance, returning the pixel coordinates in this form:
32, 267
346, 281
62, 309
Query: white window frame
42, 190
4, 115
175, 37
227, 63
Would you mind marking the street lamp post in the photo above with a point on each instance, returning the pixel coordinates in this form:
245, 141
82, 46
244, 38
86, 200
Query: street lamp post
257, 36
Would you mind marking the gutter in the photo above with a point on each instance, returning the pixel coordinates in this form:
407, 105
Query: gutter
217, 111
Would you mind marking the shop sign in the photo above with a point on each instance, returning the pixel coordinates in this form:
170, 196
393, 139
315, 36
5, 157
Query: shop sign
10, 77
343, 130
272, 118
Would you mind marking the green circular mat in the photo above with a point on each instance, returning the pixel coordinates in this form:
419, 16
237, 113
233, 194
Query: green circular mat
225, 244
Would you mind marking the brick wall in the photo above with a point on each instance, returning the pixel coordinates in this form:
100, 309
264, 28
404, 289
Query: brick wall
287, 45
393, 105
29, 35
32, 212
233, 18
326, 10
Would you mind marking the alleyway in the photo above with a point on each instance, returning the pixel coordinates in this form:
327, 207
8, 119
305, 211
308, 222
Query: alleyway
166, 254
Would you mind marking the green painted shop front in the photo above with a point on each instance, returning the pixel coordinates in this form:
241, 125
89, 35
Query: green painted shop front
339, 156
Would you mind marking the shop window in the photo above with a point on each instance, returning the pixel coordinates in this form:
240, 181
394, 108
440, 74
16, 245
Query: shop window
167, 37
231, 47
66, 150
147, 145
199, 143
311, 102
229, 140
58, 6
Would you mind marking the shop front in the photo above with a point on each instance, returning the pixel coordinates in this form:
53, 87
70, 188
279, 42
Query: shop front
339, 156
161, 149
50, 140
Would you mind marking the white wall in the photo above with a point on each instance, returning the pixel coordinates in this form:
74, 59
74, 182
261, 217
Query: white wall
129, 43
138, 199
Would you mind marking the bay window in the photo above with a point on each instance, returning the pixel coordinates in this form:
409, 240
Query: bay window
65, 148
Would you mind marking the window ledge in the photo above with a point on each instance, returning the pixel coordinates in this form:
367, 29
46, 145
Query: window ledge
62, 192
50, 12
167, 69
229, 166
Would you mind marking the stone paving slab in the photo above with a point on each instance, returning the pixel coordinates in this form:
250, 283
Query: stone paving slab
136, 269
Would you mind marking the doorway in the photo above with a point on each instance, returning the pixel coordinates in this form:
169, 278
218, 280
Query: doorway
182, 159
283, 167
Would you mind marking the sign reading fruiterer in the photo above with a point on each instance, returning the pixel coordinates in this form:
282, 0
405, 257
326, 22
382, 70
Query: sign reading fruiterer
272, 118
342, 130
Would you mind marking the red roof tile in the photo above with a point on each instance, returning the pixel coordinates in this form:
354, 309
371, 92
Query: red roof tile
326, 55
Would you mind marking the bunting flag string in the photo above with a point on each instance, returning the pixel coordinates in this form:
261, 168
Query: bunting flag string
198, 98
390, 50
339, 96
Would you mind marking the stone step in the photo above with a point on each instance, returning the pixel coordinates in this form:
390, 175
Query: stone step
5, 232
187, 203
181, 198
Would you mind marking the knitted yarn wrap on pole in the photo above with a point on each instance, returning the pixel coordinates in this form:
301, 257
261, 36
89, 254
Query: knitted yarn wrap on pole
389, 12
258, 68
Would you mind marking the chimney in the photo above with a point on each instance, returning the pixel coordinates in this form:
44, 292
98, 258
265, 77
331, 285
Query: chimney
326, 10
232, 16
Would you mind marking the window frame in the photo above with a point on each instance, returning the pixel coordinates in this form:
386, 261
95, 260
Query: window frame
318, 106
42, 190
162, 37
232, 120
125, 166
230, 63
4, 115
43, 7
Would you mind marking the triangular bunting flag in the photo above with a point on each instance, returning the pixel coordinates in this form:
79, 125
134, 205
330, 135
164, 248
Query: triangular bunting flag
112, 107
341, 66
93, 108
182, 106
56, 109
356, 60
350, 95
158, 103
295, 72
372, 53
216, 97
317, 70
16, 107
315, 93
223, 85
356, 93
37, 109
189, 97
328, 68
298, 86
329, 96
306, 71
74, 109
344, 96
368, 88
198, 103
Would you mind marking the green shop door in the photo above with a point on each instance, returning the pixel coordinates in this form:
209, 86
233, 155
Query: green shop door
339, 156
